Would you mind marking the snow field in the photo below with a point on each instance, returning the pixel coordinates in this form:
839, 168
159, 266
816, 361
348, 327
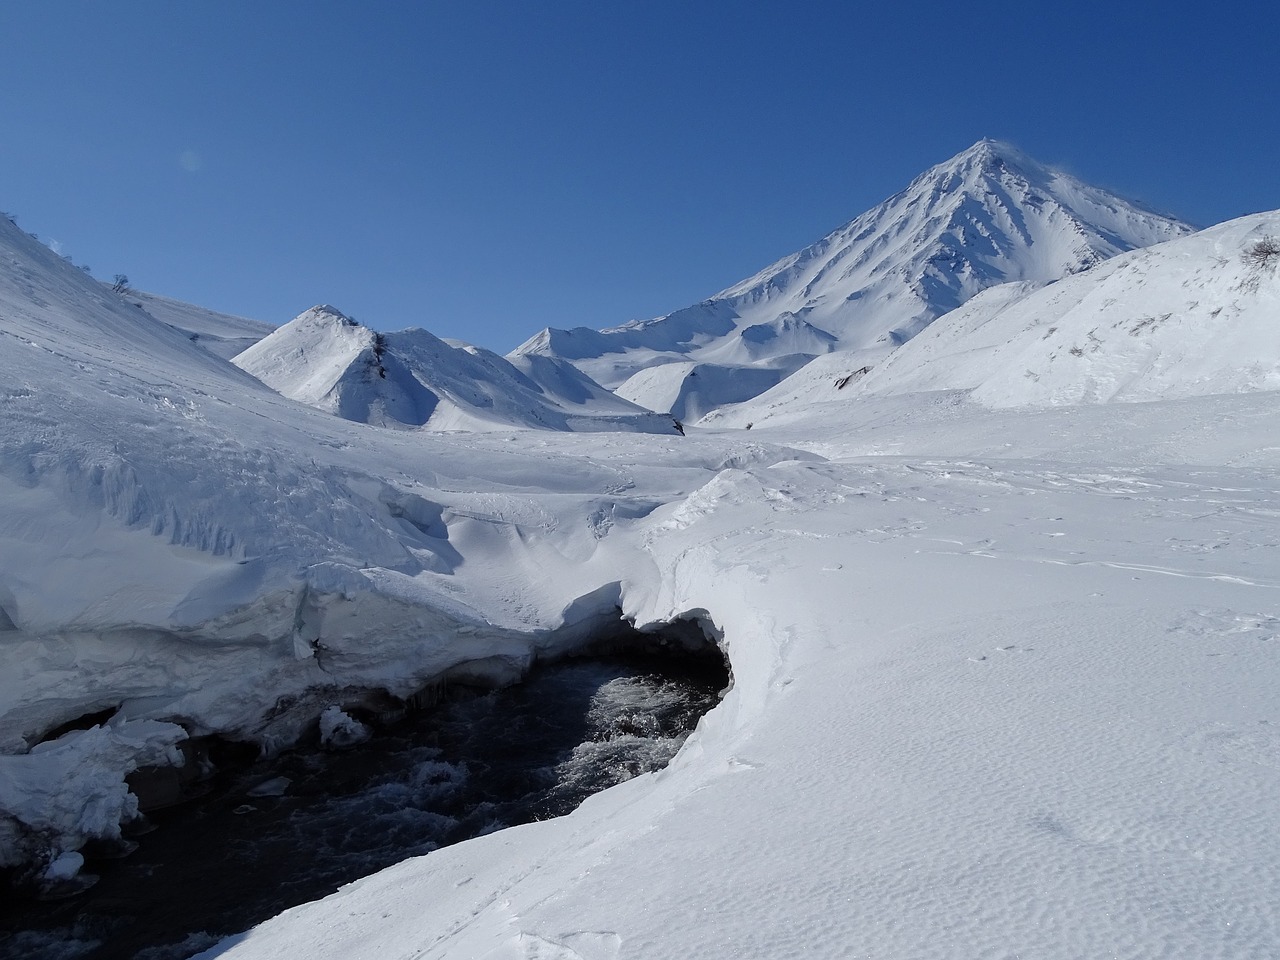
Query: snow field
979, 709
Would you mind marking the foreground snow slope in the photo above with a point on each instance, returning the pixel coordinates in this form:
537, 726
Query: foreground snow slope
1010, 691
986, 216
1194, 316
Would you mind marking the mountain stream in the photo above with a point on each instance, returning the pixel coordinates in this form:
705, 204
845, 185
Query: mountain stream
275, 833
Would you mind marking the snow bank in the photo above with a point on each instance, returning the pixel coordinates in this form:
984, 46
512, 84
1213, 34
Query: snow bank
67, 791
982, 705
181, 543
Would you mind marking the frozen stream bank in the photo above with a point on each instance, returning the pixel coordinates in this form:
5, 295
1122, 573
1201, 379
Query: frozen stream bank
292, 829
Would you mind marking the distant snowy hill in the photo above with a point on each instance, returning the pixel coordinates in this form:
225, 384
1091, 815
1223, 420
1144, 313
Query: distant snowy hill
414, 379
223, 334
689, 391
987, 216
1194, 316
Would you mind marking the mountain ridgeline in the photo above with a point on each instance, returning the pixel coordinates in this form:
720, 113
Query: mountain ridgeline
412, 378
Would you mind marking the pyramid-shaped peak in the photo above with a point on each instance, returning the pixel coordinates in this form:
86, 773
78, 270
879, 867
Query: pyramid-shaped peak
986, 216
326, 312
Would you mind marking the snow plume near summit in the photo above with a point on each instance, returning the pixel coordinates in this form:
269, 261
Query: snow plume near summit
987, 216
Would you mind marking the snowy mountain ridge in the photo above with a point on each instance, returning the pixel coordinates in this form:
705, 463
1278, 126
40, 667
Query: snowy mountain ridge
1190, 317
989, 215
412, 378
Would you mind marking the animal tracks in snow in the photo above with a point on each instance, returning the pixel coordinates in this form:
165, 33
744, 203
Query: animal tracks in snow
581, 945
1230, 628
998, 652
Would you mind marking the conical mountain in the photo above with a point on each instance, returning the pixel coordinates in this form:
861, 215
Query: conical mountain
989, 215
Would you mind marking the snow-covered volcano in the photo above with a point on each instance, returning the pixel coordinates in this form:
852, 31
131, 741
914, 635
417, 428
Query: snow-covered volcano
988, 215
414, 379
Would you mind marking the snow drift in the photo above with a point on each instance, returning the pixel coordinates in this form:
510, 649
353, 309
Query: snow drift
180, 543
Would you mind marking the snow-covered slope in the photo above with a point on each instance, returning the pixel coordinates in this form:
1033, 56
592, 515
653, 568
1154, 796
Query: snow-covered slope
987, 216
1019, 699
414, 379
223, 334
1193, 316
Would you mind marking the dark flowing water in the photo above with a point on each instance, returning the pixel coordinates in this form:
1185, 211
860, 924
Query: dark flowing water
297, 827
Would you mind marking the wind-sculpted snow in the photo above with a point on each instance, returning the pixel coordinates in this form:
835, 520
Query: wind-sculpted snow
178, 541
987, 216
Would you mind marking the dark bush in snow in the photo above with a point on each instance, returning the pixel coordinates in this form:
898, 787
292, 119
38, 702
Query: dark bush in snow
1263, 253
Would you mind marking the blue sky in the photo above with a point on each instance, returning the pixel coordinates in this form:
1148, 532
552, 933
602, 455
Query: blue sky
486, 169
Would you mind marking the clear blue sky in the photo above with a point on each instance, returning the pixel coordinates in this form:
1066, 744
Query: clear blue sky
486, 169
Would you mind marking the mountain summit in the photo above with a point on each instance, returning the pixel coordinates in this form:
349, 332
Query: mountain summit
989, 215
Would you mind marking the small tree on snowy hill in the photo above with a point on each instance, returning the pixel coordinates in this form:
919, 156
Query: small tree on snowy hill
120, 284
1263, 253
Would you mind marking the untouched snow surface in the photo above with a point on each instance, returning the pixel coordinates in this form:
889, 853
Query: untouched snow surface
222, 334
1004, 677
987, 216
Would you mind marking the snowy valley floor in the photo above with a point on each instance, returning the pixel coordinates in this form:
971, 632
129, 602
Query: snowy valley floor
1005, 685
